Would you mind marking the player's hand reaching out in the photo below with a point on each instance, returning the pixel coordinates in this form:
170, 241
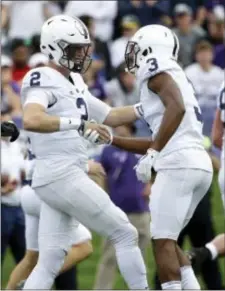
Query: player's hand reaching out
145, 165
97, 133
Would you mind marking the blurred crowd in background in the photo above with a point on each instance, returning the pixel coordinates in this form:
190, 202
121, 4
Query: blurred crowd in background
200, 27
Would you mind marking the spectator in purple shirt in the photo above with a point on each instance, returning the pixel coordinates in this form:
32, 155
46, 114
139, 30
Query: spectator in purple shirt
130, 195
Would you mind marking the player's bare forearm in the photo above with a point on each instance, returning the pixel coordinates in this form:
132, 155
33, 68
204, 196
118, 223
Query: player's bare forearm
165, 87
171, 121
37, 120
134, 145
120, 116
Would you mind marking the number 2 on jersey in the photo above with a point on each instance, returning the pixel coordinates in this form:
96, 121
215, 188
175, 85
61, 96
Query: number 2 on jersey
81, 104
35, 79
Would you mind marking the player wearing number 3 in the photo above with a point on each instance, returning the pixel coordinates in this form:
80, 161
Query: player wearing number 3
57, 107
184, 169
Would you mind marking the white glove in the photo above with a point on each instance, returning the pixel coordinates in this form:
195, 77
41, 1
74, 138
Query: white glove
94, 137
145, 164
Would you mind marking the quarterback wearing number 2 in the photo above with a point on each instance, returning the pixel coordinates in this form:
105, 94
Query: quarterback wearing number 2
184, 169
57, 110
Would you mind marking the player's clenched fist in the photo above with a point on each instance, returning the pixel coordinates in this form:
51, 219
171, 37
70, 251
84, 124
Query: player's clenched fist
97, 133
145, 165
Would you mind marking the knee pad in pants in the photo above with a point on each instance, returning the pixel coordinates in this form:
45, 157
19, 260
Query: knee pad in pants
125, 236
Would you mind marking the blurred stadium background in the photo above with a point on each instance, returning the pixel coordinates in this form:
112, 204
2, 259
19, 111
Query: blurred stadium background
200, 26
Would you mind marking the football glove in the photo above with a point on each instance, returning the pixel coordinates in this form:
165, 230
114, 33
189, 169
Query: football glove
93, 136
145, 165
9, 129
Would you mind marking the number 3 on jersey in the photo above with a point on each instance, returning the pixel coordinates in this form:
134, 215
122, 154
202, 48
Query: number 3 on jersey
83, 107
153, 64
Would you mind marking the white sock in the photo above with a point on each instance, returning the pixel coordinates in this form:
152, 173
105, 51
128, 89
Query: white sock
172, 285
132, 267
188, 279
212, 249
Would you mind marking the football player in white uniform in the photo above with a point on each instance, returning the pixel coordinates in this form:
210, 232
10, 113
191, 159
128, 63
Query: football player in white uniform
57, 107
184, 169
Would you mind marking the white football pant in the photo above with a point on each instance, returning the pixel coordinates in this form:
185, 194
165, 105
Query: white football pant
31, 205
175, 195
77, 198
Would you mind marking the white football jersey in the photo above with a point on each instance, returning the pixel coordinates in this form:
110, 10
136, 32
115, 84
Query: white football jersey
189, 133
56, 152
221, 107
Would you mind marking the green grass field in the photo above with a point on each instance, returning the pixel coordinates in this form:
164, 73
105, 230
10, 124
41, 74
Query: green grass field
87, 269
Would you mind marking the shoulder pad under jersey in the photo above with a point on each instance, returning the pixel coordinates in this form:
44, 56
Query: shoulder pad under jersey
78, 82
43, 77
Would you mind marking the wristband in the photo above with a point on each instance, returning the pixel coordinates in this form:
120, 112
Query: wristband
138, 110
67, 123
